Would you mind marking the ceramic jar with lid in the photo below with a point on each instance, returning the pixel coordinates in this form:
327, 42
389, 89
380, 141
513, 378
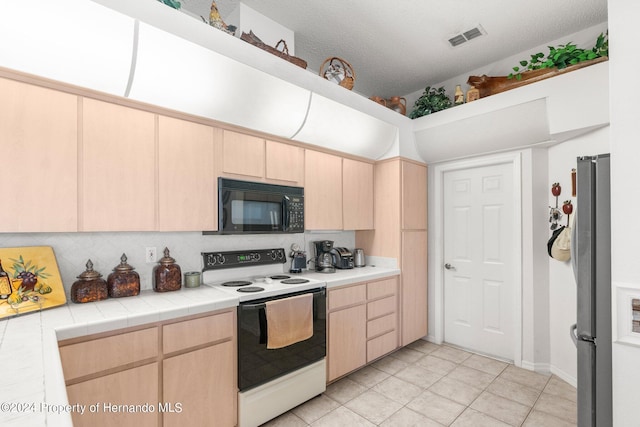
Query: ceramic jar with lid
90, 286
124, 281
167, 275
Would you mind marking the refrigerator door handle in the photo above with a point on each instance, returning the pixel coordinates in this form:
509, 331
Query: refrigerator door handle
573, 335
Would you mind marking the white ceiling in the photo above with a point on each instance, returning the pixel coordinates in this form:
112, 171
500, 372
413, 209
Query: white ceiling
398, 47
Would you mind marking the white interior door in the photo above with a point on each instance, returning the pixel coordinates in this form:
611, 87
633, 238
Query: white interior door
479, 259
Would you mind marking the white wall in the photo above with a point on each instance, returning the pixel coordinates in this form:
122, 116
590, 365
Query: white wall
535, 262
562, 285
625, 204
585, 39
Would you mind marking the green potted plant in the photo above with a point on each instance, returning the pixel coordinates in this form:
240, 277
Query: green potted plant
563, 56
430, 101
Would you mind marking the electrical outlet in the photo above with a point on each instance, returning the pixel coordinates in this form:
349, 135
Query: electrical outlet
150, 255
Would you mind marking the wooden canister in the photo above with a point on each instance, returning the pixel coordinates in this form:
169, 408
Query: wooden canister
123, 282
90, 287
167, 275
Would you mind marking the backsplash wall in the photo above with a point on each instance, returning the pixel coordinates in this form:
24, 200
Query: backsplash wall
72, 250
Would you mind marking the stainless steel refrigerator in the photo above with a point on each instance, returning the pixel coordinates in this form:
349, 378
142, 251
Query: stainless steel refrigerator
591, 259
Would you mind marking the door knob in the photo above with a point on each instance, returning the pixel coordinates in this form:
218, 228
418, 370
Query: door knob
449, 266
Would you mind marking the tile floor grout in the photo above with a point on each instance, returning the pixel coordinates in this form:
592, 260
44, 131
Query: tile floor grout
487, 411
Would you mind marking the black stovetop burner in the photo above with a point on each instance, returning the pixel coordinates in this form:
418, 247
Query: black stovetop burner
294, 281
251, 289
280, 277
236, 283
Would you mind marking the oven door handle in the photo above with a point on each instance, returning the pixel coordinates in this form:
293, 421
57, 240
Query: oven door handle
252, 306
245, 306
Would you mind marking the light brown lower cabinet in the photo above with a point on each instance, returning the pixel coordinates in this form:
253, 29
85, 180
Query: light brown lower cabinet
114, 395
175, 373
362, 325
347, 341
414, 286
200, 381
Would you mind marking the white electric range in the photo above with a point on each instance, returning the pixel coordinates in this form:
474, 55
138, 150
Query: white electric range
270, 380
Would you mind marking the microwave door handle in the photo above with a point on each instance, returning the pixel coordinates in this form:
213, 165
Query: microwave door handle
286, 219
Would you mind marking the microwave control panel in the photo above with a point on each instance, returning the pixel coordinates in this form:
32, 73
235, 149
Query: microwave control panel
296, 214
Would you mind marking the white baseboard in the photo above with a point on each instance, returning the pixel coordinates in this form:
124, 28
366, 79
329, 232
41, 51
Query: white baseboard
564, 376
432, 339
541, 368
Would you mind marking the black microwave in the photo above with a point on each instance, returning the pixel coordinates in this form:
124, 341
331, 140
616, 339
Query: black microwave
257, 207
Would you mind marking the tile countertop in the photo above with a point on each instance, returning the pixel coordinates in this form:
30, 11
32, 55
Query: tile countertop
354, 275
32, 389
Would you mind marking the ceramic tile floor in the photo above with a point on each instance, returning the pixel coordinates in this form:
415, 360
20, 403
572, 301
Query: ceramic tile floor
430, 385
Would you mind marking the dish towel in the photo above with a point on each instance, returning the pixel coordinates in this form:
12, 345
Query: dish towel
289, 320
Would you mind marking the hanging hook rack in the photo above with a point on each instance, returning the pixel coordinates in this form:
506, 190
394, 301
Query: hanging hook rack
554, 212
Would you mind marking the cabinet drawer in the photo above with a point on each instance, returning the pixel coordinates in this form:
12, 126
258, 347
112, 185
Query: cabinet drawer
194, 332
98, 355
381, 345
344, 297
381, 307
382, 288
381, 325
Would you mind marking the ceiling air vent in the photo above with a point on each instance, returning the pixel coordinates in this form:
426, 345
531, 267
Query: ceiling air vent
467, 35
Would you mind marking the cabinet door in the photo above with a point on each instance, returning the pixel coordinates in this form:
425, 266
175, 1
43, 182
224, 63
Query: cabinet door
187, 191
118, 188
242, 154
347, 341
136, 386
414, 196
414, 286
285, 162
357, 195
204, 381
38, 176
323, 191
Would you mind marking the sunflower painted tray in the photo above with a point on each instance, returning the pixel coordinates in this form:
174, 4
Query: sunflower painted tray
29, 280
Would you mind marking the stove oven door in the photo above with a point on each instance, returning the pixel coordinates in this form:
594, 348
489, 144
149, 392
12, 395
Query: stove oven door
257, 364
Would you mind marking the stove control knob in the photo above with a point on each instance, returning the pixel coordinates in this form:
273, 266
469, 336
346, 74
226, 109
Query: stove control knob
280, 254
220, 259
255, 256
211, 259
273, 255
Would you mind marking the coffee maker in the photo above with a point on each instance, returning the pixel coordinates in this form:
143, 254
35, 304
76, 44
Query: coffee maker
323, 259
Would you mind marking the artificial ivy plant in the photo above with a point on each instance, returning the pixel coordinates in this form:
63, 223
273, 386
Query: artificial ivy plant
562, 56
172, 3
430, 101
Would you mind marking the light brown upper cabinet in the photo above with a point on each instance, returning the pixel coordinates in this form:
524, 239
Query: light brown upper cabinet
285, 162
186, 178
39, 139
252, 158
322, 191
242, 154
414, 196
357, 195
118, 168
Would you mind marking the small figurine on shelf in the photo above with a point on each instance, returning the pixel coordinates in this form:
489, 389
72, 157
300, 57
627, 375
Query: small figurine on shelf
458, 96
215, 20
473, 94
